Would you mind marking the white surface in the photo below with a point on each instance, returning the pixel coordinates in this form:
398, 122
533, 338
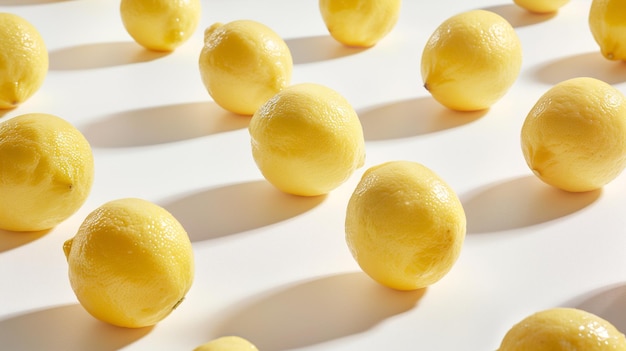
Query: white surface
275, 268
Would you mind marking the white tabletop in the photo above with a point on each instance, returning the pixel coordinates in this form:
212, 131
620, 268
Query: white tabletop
275, 268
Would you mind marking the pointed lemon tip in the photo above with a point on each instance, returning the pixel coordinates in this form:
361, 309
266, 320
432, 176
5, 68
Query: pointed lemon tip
67, 247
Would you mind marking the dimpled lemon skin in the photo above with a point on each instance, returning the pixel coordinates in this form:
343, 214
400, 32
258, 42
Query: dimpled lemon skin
359, 23
23, 60
46, 171
160, 25
541, 6
563, 329
307, 140
404, 225
244, 63
608, 27
471, 60
227, 343
574, 137
130, 263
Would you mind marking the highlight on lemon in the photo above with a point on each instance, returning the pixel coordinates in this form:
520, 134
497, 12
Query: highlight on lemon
46, 171
471, 60
608, 27
23, 60
405, 226
307, 140
541, 6
227, 343
160, 25
243, 64
574, 137
359, 23
563, 329
131, 263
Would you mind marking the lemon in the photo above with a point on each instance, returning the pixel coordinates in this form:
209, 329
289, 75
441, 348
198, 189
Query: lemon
471, 60
608, 27
23, 60
563, 329
574, 137
130, 263
46, 171
243, 63
227, 343
541, 6
307, 140
404, 225
359, 23
160, 25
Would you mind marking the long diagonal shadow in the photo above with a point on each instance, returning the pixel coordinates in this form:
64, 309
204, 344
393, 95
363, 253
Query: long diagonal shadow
10, 240
100, 55
235, 208
608, 303
317, 311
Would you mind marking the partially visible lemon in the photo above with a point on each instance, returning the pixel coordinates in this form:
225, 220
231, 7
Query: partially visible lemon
574, 137
23, 60
46, 171
160, 25
541, 6
244, 63
404, 225
471, 60
307, 140
359, 23
608, 27
130, 263
563, 329
227, 343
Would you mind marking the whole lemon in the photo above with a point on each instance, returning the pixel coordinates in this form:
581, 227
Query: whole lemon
471, 60
130, 263
46, 171
359, 23
574, 137
608, 27
404, 225
160, 25
541, 6
23, 60
227, 343
563, 329
307, 139
244, 63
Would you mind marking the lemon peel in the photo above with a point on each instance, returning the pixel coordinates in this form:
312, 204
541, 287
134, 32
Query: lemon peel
608, 28
227, 343
541, 6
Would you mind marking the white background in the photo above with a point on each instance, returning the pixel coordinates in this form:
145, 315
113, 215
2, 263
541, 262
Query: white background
275, 268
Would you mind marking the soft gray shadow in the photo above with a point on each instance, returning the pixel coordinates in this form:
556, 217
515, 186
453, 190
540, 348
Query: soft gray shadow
608, 303
412, 117
317, 311
318, 48
28, 2
590, 64
10, 240
236, 208
519, 17
100, 55
519, 203
162, 124
67, 327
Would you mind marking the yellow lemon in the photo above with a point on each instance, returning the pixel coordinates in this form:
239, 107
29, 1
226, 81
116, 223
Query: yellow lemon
541, 6
46, 171
471, 60
404, 225
227, 343
130, 263
23, 60
244, 63
307, 140
608, 27
574, 137
563, 329
359, 23
160, 25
